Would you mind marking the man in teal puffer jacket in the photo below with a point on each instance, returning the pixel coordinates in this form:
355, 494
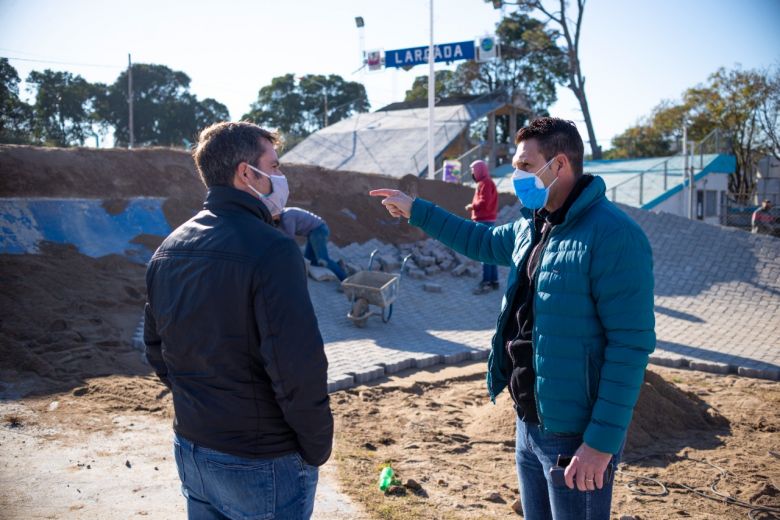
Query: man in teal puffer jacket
576, 325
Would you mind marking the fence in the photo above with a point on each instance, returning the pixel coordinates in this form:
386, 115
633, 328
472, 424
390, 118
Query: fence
737, 215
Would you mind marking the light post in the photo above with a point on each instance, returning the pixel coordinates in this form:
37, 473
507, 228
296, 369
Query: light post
324, 94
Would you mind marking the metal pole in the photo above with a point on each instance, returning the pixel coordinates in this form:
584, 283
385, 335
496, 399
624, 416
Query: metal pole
131, 143
692, 185
641, 187
325, 92
431, 94
666, 172
685, 166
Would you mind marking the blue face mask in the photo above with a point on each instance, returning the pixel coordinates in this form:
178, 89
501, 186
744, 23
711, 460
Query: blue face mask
530, 189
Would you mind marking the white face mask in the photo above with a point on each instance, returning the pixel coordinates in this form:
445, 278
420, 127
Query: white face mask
280, 191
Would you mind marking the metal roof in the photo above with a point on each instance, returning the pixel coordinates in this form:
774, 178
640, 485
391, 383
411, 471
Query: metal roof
390, 142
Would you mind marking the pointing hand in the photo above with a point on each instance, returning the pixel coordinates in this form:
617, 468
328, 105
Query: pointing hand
398, 203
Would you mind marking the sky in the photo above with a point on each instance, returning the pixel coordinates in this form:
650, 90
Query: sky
633, 53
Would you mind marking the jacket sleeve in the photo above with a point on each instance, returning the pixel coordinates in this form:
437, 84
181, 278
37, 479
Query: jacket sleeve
292, 350
476, 241
622, 288
153, 344
478, 201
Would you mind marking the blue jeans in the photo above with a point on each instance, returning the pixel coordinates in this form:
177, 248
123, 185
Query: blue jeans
317, 249
489, 271
222, 486
535, 453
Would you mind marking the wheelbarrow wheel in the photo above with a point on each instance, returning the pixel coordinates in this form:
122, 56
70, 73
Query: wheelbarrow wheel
387, 313
359, 313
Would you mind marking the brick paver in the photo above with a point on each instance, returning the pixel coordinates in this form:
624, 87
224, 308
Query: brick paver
717, 309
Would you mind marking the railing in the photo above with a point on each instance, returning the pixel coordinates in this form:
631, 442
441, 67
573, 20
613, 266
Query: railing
648, 184
639, 189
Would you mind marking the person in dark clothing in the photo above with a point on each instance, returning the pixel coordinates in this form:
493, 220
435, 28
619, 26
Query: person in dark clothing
484, 209
297, 222
230, 329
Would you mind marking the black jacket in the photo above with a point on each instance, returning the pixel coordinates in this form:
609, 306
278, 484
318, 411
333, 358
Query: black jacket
230, 329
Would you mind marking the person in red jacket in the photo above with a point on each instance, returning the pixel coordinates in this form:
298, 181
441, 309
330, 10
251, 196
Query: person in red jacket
484, 209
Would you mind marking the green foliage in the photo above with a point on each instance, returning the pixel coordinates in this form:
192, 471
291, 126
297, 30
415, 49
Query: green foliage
743, 103
15, 115
297, 107
531, 65
445, 85
63, 109
165, 113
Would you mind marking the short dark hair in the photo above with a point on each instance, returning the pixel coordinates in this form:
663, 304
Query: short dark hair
555, 136
223, 146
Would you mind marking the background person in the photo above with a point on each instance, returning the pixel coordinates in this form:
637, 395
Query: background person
484, 209
762, 221
299, 222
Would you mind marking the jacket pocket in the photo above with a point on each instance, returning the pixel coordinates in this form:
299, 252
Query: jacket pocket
592, 378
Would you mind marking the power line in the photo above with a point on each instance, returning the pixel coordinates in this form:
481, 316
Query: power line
64, 63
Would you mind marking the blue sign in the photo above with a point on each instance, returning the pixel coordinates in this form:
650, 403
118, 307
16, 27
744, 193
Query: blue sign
419, 55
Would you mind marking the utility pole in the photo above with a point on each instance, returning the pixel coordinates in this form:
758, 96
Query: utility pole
131, 143
692, 183
685, 166
431, 94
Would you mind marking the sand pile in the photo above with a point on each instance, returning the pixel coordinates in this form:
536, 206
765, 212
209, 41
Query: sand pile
341, 198
66, 317
663, 412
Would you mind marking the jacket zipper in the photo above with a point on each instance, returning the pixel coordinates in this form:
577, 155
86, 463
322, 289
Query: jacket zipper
534, 282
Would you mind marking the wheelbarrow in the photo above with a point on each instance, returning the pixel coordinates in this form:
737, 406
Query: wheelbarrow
369, 290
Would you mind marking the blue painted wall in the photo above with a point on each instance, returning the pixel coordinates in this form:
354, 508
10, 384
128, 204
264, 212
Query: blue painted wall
84, 223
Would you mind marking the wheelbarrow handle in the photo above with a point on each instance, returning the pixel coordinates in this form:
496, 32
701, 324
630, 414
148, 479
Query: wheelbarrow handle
371, 260
403, 265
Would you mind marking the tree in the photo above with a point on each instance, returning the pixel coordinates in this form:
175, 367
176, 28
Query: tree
531, 66
445, 86
732, 100
63, 109
769, 112
165, 113
743, 104
15, 114
569, 31
297, 108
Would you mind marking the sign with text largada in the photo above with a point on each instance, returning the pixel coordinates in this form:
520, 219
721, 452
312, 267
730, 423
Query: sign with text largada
445, 52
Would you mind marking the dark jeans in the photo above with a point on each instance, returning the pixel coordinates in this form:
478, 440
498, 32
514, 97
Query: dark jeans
489, 271
317, 250
220, 486
535, 454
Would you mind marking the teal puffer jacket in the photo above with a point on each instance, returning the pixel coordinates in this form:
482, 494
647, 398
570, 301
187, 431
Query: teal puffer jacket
593, 310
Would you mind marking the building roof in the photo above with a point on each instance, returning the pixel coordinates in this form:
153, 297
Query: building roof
392, 141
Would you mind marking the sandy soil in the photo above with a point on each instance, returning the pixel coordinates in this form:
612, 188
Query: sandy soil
102, 450
443, 434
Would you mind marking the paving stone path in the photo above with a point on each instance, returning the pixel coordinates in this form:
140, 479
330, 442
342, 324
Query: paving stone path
717, 309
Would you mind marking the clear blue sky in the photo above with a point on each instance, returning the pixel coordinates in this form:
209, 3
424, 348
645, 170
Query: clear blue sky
634, 53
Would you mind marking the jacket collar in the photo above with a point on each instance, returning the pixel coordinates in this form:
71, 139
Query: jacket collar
225, 198
592, 193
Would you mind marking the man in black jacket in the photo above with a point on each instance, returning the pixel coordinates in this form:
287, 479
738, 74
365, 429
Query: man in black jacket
230, 330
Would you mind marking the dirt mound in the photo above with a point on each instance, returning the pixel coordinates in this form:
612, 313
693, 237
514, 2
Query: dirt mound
66, 317
341, 198
663, 411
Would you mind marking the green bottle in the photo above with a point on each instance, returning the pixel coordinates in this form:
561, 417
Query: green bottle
386, 478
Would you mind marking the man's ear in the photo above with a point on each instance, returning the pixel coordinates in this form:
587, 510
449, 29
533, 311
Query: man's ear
563, 163
239, 175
